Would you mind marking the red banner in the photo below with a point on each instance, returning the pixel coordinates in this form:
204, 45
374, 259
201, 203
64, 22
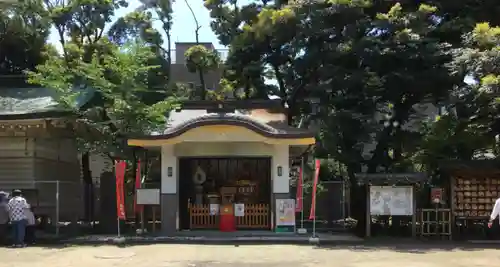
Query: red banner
300, 187
137, 208
120, 196
317, 165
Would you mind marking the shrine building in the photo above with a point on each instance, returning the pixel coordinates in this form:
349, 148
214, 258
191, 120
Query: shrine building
228, 152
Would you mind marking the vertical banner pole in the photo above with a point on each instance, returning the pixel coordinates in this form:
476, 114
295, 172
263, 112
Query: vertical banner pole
154, 218
138, 185
118, 226
302, 193
314, 227
58, 208
312, 215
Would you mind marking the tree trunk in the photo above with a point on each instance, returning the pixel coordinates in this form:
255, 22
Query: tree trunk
203, 92
134, 189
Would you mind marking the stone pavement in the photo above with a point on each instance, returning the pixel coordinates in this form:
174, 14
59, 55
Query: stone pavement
169, 255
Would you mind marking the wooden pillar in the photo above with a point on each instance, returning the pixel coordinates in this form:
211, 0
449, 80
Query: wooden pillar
451, 202
142, 219
368, 224
414, 216
154, 218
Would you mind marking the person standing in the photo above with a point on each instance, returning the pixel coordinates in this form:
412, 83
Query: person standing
494, 214
17, 207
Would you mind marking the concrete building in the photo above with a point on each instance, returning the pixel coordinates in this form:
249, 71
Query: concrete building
180, 73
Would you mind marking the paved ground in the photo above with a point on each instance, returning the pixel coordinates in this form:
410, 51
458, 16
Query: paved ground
248, 256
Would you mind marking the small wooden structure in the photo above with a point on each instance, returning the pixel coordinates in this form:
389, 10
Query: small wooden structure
406, 181
474, 188
38, 152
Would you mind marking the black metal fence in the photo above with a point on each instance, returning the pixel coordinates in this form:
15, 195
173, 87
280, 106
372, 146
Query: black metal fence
331, 208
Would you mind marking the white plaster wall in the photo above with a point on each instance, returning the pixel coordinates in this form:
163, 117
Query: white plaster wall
223, 149
281, 184
168, 159
279, 157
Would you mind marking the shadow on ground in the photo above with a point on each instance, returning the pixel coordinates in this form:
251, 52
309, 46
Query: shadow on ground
413, 246
401, 246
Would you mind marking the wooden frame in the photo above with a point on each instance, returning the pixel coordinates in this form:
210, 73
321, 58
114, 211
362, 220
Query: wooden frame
435, 223
256, 217
369, 216
200, 217
471, 198
401, 179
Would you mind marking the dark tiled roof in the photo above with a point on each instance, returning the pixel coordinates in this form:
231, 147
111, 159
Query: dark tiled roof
33, 101
390, 178
470, 165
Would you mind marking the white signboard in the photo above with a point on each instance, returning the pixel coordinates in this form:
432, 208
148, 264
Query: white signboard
391, 200
148, 196
239, 210
285, 212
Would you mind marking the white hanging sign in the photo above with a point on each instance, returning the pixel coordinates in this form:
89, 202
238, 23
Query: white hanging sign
214, 209
148, 196
239, 210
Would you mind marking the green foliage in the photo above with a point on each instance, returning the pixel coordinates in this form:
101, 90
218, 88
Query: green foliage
363, 67
199, 58
115, 75
249, 30
119, 76
469, 131
24, 28
139, 26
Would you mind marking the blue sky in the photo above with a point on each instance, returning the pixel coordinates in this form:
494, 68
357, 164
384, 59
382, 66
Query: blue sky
184, 25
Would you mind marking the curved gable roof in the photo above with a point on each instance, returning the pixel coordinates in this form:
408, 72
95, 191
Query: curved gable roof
278, 131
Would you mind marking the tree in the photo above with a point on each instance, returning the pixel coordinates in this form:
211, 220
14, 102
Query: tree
118, 75
356, 65
356, 72
253, 55
23, 32
139, 25
470, 129
88, 63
